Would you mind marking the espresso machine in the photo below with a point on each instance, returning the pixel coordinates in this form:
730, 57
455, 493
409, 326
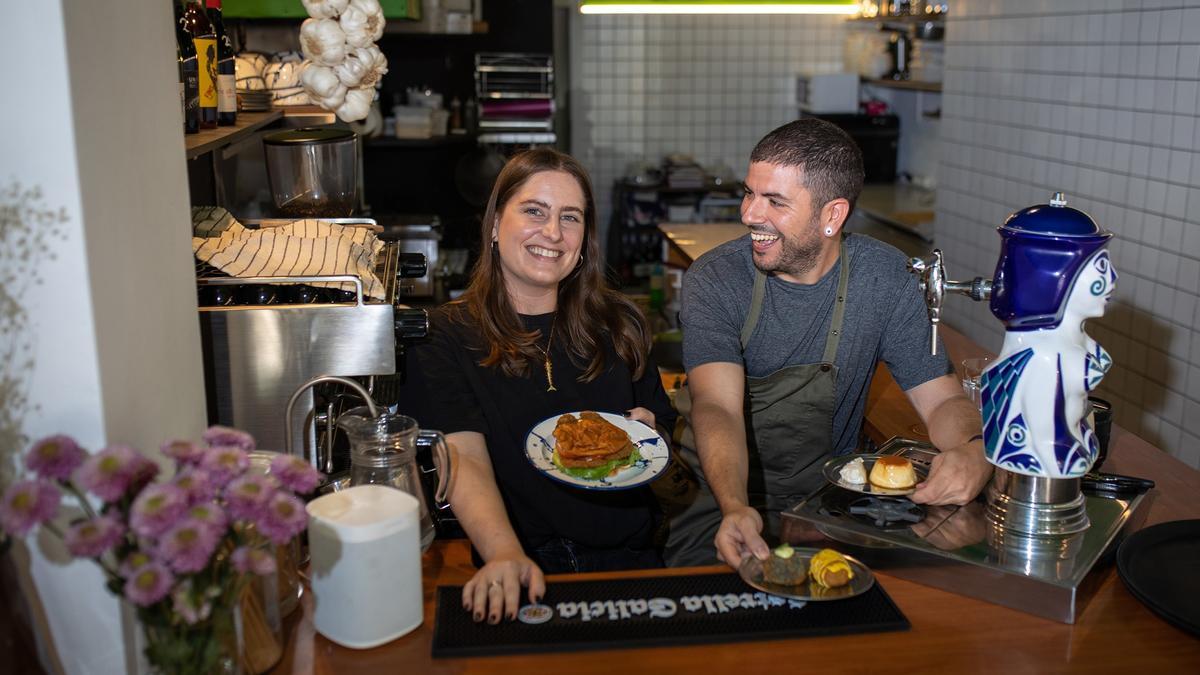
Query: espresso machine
265, 335
1044, 521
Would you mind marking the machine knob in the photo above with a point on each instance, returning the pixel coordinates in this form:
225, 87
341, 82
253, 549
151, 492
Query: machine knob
413, 265
411, 324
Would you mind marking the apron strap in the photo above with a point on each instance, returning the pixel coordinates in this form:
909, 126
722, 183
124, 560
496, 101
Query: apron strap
756, 302
839, 308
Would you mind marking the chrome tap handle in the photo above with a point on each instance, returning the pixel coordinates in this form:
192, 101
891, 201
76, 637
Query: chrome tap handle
931, 273
931, 276
317, 460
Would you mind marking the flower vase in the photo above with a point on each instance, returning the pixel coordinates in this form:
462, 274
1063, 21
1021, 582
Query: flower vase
243, 639
207, 647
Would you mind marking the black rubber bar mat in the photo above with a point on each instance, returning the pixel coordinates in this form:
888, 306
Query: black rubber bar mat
657, 611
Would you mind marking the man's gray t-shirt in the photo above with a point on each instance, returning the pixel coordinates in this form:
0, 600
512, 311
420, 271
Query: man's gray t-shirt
885, 319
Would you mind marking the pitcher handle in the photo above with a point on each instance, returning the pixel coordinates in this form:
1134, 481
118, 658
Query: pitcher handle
441, 463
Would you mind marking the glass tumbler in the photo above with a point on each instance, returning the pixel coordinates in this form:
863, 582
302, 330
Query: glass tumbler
972, 374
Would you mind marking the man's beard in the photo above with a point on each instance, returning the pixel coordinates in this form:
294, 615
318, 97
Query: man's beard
797, 256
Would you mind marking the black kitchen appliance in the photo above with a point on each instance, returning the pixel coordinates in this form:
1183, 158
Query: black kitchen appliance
878, 136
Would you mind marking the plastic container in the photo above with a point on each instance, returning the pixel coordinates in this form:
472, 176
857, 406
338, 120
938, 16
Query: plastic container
366, 565
413, 121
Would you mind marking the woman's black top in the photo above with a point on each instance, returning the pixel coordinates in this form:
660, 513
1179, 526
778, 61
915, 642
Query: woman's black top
462, 395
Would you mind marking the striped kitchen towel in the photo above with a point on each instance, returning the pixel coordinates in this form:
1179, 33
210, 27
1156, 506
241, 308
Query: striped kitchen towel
306, 247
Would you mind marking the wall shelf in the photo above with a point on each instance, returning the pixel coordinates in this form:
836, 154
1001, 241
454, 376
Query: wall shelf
909, 85
211, 139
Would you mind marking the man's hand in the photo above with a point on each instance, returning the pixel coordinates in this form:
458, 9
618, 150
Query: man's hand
739, 536
956, 476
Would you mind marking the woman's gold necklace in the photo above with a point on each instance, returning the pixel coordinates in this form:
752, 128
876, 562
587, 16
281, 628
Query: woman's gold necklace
546, 353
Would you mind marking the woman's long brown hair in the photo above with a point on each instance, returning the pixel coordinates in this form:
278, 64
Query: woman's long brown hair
587, 308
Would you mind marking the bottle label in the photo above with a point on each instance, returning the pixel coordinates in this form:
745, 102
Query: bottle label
206, 52
191, 86
226, 93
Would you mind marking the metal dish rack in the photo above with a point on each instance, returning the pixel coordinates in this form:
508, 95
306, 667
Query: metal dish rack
510, 76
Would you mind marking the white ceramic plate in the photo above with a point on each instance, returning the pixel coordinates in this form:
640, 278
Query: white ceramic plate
539, 448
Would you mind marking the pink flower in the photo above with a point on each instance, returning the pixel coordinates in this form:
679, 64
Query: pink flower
210, 515
224, 462
93, 538
184, 452
55, 457
156, 509
295, 473
283, 518
188, 546
132, 563
196, 484
27, 503
256, 560
148, 584
216, 436
109, 473
247, 495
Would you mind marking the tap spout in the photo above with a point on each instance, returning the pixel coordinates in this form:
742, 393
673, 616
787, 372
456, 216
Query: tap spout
320, 463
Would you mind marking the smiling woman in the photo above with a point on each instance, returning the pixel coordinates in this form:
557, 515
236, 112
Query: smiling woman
538, 334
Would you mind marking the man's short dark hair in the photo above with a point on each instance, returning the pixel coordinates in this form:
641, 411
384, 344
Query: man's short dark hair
830, 161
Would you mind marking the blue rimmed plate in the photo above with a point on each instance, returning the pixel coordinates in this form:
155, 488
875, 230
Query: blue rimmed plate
539, 448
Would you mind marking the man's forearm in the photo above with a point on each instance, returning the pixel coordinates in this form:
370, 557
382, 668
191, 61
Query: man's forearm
953, 422
721, 444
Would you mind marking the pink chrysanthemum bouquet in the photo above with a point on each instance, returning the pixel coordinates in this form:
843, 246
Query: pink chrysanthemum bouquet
180, 550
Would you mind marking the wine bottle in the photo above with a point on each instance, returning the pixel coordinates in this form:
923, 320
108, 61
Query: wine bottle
205, 41
226, 78
189, 69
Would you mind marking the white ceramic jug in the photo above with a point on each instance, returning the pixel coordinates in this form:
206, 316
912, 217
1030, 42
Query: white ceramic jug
366, 565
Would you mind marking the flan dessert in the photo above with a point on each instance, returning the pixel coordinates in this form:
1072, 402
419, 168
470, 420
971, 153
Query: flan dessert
784, 567
893, 473
830, 569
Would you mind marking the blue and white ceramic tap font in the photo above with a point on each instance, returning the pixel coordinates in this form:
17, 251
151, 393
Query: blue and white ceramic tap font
1054, 273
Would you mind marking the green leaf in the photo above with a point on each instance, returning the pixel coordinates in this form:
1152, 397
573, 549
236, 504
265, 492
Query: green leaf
598, 472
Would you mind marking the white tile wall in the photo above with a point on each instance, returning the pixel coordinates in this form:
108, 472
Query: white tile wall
1097, 98
708, 86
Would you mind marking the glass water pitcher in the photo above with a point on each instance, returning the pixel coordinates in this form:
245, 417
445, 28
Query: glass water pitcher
383, 451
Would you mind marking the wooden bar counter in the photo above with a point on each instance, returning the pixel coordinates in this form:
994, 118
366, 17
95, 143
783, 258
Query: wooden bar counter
950, 633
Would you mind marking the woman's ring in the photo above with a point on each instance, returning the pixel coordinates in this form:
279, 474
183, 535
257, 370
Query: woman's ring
496, 583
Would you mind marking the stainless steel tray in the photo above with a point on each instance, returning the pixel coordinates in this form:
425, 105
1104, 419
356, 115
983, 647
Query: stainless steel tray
949, 548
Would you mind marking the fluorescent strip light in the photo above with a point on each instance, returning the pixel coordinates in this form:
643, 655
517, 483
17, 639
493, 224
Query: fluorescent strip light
669, 7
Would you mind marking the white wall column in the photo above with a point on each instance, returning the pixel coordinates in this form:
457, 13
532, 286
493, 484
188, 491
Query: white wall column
105, 320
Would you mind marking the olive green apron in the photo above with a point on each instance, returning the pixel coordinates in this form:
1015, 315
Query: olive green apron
789, 432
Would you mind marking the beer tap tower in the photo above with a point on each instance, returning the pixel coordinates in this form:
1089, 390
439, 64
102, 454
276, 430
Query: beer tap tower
1053, 273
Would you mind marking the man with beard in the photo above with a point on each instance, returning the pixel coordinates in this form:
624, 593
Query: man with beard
782, 332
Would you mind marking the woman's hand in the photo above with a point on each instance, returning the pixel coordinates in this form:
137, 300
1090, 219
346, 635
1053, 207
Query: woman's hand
641, 415
495, 590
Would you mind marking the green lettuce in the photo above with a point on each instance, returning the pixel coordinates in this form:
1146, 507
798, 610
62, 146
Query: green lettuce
599, 471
